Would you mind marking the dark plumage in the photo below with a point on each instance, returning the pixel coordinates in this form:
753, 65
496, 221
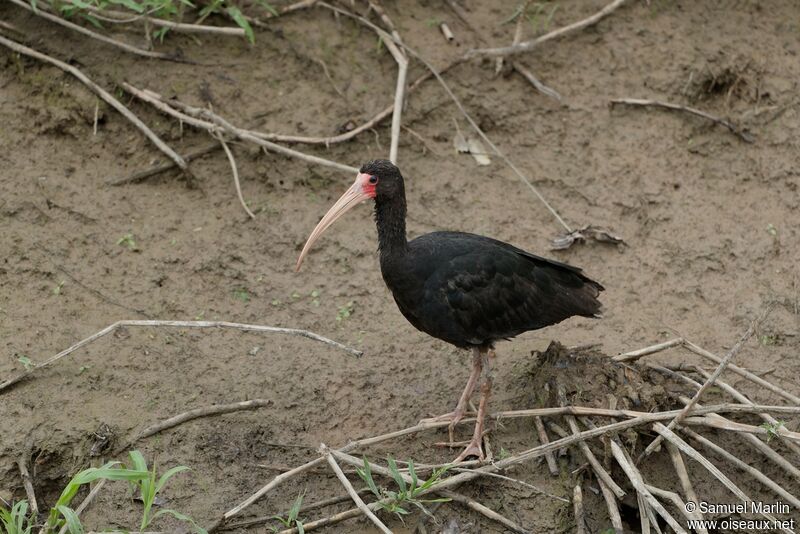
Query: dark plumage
465, 289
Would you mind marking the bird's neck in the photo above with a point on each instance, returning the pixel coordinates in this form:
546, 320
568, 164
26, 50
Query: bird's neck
390, 217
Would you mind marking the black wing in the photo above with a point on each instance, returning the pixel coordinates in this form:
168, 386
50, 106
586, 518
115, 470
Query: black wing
475, 290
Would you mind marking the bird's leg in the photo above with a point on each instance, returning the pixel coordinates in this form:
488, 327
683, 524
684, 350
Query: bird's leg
474, 448
461, 408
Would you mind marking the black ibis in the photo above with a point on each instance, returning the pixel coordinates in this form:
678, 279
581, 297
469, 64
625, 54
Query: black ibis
465, 289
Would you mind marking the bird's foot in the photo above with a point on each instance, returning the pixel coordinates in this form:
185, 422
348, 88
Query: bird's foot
473, 448
453, 417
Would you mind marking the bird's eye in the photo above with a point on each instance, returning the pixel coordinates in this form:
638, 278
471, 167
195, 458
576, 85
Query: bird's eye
373, 180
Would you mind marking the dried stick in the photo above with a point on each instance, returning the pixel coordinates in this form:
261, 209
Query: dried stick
86, 502
218, 125
180, 324
652, 349
27, 482
402, 71
766, 417
713, 421
710, 381
304, 509
515, 65
513, 480
530, 45
752, 471
544, 440
743, 372
636, 419
158, 168
297, 6
577, 505
608, 495
613, 508
102, 93
692, 453
599, 471
734, 129
471, 503
638, 482
327, 141
762, 447
463, 111
483, 510
235, 176
119, 17
196, 413
95, 35
686, 483
679, 504
352, 491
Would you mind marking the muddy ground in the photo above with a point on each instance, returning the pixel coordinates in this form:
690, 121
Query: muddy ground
710, 224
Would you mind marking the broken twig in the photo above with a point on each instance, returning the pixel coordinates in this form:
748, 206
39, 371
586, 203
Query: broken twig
739, 132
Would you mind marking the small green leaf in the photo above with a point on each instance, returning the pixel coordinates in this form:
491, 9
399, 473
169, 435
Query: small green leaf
26, 362
238, 17
398, 478
71, 519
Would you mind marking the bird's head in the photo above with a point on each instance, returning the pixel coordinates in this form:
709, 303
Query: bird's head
378, 179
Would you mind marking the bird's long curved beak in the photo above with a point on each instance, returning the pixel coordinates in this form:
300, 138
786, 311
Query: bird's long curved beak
351, 198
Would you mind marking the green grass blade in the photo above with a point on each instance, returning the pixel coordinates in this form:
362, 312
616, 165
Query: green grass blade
295, 510
74, 525
166, 476
398, 478
238, 17
366, 476
181, 517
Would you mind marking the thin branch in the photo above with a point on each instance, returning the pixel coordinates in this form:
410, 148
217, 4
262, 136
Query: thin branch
483, 510
577, 506
352, 491
530, 45
750, 470
710, 381
636, 419
217, 125
515, 65
692, 453
95, 35
652, 349
158, 168
638, 482
794, 399
734, 129
180, 324
27, 482
544, 440
304, 509
471, 503
402, 73
283, 138
599, 471
196, 413
765, 416
463, 111
119, 17
676, 500
714, 421
102, 93
509, 479
235, 172
686, 483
